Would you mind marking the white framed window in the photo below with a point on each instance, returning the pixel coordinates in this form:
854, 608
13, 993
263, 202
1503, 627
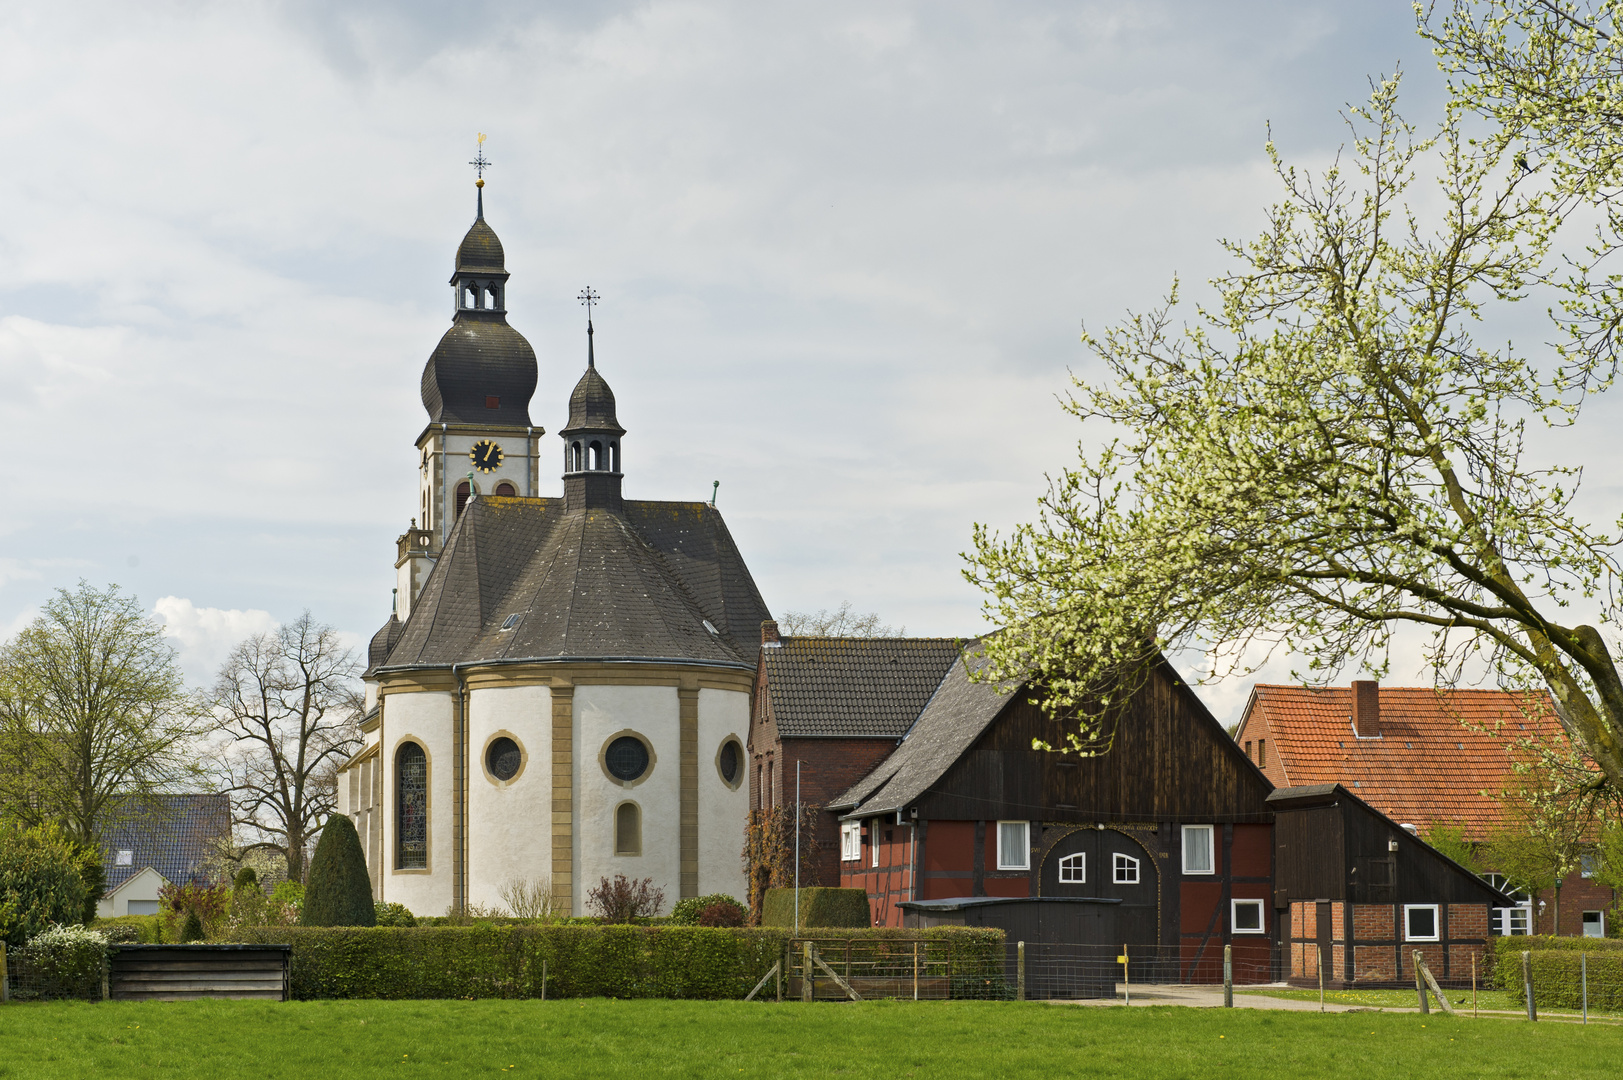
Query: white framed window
1594, 924
850, 841
873, 841
1073, 869
124, 858
1511, 921
1246, 917
1198, 856
1588, 864
1014, 845
1123, 869
1421, 922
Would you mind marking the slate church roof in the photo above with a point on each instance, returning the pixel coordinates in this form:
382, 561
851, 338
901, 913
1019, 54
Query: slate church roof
598, 584
841, 687
173, 834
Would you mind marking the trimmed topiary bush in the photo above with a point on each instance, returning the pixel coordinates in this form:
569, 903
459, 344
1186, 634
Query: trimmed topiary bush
818, 908
42, 882
338, 891
686, 912
246, 879
394, 915
723, 913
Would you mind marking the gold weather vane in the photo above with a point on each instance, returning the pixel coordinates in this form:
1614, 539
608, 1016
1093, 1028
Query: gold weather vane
480, 162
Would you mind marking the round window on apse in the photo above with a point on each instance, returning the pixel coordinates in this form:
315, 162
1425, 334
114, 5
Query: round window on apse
503, 758
626, 758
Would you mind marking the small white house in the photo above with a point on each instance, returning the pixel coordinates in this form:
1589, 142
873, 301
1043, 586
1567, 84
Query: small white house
165, 839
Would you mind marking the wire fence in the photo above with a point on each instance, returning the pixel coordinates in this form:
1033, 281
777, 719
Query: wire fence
29, 976
825, 969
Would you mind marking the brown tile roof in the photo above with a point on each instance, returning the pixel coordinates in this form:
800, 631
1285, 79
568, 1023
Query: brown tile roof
1439, 750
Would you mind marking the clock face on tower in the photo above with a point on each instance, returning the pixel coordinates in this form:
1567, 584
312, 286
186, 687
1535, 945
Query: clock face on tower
486, 456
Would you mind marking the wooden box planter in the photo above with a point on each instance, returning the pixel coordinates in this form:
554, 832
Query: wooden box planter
187, 972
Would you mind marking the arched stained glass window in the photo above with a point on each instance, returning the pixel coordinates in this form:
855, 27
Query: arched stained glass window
411, 807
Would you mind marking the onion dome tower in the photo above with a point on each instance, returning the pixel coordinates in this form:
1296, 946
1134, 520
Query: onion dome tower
483, 371
592, 473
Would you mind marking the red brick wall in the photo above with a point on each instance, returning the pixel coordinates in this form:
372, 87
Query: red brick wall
828, 767
1374, 922
1578, 895
1254, 730
1431, 951
1467, 920
1374, 963
889, 883
948, 866
1338, 922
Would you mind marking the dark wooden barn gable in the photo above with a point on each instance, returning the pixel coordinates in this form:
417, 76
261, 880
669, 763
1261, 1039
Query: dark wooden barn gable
1169, 760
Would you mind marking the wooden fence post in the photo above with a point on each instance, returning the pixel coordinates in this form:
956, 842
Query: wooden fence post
1431, 981
1228, 976
1020, 971
1318, 955
5, 994
105, 990
915, 971
806, 975
1527, 985
1419, 984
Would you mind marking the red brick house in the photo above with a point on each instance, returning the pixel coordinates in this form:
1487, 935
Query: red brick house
835, 707
1422, 757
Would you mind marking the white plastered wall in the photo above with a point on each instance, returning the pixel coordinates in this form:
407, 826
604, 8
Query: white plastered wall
723, 811
653, 713
143, 885
512, 822
426, 717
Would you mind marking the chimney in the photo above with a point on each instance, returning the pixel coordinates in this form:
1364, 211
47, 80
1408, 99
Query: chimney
1366, 708
769, 635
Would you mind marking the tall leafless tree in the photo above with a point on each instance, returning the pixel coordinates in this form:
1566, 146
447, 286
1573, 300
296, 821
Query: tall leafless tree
93, 713
289, 703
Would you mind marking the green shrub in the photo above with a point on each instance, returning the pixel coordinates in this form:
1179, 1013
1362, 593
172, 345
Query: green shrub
41, 882
94, 876
339, 890
394, 915
246, 879
621, 961
818, 908
62, 962
686, 912
132, 929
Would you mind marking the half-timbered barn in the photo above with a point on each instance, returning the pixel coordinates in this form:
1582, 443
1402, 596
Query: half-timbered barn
1173, 832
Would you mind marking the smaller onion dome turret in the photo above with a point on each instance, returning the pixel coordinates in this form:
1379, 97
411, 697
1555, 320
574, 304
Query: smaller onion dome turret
592, 475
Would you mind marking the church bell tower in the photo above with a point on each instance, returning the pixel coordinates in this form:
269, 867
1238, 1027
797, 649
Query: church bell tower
476, 388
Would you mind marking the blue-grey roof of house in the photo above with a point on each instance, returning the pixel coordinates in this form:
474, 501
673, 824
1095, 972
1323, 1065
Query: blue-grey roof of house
173, 834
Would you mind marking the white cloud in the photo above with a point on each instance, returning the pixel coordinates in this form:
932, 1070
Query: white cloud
205, 636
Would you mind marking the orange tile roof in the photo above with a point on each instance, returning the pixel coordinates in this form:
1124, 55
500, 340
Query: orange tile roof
1439, 750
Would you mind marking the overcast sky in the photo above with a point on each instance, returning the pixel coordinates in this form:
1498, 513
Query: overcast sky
844, 252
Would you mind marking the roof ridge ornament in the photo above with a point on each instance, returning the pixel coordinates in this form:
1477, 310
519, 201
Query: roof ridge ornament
480, 163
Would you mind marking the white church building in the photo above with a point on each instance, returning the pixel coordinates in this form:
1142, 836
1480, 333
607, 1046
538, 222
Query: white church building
562, 692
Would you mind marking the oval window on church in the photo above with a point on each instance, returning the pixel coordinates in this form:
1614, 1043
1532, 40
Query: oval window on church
730, 763
503, 758
626, 758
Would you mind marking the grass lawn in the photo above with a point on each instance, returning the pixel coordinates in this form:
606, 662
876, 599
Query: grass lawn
1408, 999
642, 1039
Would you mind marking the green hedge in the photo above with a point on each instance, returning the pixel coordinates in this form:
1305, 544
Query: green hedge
132, 929
1557, 970
416, 963
846, 908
